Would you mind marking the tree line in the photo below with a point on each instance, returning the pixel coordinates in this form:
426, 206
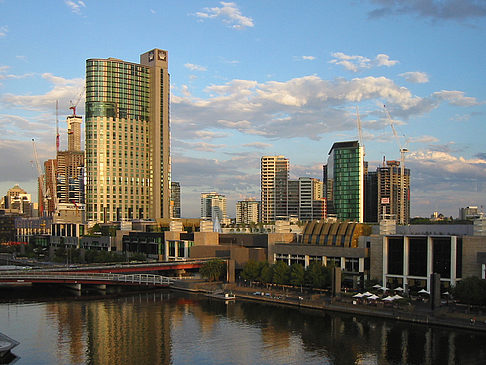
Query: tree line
314, 276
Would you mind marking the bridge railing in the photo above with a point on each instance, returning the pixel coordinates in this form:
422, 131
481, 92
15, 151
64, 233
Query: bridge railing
142, 279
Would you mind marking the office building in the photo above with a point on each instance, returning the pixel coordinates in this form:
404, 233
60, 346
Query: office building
390, 183
274, 188
371, 197
470, 213
175, 200
50, 193
293, 199
128, 138
247, 211
311, 199
344, 181
213, 205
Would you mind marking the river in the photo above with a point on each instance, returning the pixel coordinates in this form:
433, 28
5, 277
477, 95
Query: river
168, 327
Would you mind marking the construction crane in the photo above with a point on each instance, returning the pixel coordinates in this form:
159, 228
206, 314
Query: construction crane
403, 151
57, 126
74, 105
360, 132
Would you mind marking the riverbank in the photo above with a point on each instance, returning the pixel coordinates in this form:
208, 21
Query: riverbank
447, 316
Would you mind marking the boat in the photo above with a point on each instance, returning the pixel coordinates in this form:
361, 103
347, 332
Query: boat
6, 344
221, 295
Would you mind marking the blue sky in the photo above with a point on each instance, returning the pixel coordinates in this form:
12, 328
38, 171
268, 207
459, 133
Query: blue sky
253, 78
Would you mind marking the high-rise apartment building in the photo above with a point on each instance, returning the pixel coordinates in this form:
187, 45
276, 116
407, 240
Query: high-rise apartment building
175, 200
247, 211
70, 166
274, 188
128, 138
311, 199
389, 192
293, 199
50, 193
213, 205
344, 184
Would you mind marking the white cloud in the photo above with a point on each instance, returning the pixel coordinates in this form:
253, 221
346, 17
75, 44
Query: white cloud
62, 90
229, 13
3, 31
193, 67
75, 6
423, 139
357, 63
455, 97
415, 77
308, 58
153, 11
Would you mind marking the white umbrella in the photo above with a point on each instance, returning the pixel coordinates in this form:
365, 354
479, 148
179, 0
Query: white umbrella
359, 295
384, 288
445, 293
397, 297
373, 297
423, 291
377, 286
399, 288
388, 299
367, 294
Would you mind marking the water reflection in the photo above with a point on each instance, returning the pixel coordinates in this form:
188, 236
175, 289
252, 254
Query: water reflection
173, 328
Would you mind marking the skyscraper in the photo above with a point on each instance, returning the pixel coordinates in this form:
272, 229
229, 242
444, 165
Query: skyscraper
389, 196
175, 200
128, 138
213, 205
344, 184
247, 211
274, 187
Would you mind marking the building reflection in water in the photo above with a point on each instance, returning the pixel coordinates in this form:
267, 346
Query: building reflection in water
168, 328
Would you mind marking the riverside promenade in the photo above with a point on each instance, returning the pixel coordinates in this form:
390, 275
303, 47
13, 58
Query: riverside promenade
415, 312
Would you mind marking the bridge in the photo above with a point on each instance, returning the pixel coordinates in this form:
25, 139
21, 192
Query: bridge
77, 278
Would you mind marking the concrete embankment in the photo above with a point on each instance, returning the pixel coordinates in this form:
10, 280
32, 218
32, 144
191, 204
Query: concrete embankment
409, 313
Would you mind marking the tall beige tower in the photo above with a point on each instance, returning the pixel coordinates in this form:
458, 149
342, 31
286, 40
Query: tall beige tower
274, 176
128, 138
74, 132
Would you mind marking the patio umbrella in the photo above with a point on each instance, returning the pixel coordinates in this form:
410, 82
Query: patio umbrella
423, 291
359, 295
384, 288
367, 294
396, 296
377, 286
399, 289
373, 297
388, 299
445, 293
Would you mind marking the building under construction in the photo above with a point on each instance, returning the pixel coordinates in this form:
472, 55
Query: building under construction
389, 192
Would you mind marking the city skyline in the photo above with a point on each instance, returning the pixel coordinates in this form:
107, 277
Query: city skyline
249, 80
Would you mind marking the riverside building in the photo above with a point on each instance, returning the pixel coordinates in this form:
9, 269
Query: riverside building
128, 163
274, 188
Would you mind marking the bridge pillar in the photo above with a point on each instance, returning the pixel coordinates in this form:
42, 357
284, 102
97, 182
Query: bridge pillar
74, 286
99, 286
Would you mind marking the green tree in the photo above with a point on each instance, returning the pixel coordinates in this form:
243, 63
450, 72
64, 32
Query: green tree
213, 270
318, 276
281, 273
251, 270
471, 290
266, 273
297, 274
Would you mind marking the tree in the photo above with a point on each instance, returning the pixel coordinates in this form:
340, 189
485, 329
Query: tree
318, 276
281, 273
251, 271
297, 274
471, 290
266, 273
213, 270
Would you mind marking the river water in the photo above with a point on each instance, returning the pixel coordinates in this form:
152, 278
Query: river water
167, 327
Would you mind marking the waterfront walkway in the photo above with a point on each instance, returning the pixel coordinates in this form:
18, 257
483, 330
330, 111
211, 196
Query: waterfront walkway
418, 312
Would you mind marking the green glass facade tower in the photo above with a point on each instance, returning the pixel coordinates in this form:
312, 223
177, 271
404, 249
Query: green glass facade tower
128, 138
344, 181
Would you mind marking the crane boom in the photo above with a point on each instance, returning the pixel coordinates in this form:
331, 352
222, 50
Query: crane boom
41, 180
360, 132
403, 150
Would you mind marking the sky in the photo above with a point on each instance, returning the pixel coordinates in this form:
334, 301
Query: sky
267, 77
